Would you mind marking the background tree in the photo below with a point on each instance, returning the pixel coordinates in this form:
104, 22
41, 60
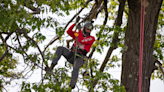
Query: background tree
22, 23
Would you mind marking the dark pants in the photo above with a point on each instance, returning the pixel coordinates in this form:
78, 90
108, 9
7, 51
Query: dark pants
70, 56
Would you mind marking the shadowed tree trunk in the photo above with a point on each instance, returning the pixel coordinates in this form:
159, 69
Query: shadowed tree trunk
130, 57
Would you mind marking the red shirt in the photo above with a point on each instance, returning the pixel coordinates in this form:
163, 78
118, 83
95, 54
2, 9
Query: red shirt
84, 43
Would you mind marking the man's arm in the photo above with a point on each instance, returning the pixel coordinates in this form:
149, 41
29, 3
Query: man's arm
70, 32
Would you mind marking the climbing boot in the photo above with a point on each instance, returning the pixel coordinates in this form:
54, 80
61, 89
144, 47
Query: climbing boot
49, 69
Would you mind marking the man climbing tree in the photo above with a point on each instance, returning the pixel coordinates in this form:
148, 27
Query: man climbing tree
75, 55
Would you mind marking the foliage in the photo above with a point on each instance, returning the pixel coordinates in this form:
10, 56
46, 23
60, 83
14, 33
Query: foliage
8, 64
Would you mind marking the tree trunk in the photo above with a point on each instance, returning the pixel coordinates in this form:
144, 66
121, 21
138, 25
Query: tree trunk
130, 57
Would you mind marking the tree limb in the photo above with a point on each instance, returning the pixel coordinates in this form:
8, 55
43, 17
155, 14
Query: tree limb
9, 34
4, 32
54, 39
94, 11
114, 40
105, 21
35, 10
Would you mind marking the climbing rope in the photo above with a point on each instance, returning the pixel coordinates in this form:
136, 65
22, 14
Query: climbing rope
141, 44
76, 35
76, 54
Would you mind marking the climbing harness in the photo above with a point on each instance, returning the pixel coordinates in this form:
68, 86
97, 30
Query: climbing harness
141, 45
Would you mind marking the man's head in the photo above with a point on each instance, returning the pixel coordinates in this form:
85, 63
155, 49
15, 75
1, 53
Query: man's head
88, 26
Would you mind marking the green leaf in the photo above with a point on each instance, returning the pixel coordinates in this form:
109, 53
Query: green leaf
33, 27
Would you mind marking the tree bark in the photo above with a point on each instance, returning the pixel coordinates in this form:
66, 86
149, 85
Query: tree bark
130, 57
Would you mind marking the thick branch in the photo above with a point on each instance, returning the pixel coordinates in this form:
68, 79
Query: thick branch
105, 21
115, 39
94, 11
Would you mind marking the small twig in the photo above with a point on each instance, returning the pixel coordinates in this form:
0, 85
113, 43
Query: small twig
160, 66
54, 39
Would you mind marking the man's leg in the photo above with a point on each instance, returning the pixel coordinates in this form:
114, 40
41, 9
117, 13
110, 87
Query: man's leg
77, 64
60, 51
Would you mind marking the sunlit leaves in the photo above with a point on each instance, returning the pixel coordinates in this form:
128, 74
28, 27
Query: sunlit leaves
158, 45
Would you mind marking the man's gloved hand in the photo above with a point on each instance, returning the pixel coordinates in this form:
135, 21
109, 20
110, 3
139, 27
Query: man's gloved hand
77, 19
78, 26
